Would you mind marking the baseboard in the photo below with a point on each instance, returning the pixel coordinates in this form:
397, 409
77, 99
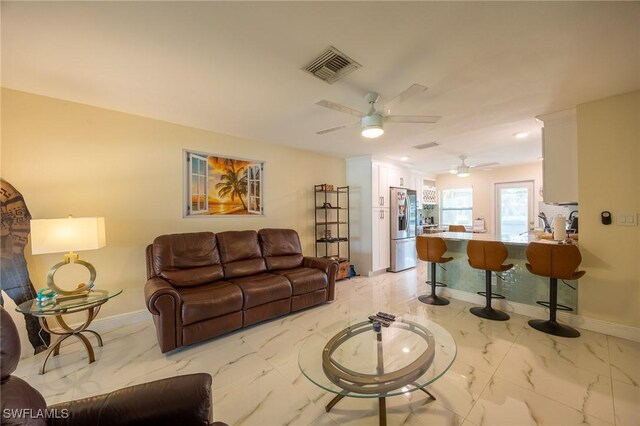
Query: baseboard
109, 323
617, 330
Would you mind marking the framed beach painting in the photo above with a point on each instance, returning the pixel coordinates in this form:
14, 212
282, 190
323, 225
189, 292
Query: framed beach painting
222, 186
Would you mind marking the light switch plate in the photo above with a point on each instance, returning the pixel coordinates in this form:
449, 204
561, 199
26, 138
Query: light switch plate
627, 219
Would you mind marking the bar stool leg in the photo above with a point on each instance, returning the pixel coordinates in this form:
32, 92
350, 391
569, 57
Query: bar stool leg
488, 312
433, 298
551, 326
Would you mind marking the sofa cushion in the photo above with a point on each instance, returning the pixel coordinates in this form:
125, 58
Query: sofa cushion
209, 301
240, 253
187, 259
263, 288
280, 248
305, 280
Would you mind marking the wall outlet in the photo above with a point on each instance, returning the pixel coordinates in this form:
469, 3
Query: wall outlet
627, 219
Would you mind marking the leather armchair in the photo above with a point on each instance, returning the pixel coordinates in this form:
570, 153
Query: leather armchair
183, 400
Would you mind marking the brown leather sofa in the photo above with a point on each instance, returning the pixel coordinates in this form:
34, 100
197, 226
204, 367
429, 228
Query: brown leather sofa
201, 285
182, 400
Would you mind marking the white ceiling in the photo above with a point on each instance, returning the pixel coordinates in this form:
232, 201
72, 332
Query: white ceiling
234, 67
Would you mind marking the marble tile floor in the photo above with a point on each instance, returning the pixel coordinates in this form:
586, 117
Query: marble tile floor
505, 373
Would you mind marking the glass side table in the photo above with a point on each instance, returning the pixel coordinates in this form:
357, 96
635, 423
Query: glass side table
90, 304
359, 362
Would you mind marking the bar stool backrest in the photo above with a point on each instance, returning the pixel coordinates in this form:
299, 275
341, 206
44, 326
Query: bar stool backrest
487, 255
554, 260
457, 228
431, 249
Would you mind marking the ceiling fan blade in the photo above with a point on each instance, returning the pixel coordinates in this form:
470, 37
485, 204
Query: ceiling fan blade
412, 118
485, 165
341, 108
333, 129
413, 90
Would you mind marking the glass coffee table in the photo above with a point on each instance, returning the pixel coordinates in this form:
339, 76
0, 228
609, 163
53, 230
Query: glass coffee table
90, 303
359, 362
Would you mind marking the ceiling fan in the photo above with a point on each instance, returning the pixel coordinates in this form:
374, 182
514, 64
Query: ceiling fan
463, 169
372, 122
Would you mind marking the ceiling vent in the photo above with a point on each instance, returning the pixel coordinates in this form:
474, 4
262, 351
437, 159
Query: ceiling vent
331, 65
426, 145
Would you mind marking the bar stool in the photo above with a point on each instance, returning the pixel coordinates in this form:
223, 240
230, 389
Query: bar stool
457, 228
488, 255
431, 249
554, 261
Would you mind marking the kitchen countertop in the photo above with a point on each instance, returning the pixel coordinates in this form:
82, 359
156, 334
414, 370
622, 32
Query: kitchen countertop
521, 240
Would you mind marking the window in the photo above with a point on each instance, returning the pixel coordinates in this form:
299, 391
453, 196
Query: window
198, 176
457, 207
254, 184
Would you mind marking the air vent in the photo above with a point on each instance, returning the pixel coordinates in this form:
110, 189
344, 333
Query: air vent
426, 145
331, 65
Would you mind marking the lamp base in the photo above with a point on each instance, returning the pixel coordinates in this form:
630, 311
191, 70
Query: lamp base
82, 289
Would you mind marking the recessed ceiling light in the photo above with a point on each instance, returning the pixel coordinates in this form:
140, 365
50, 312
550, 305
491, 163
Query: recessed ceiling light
520, 135
405, 158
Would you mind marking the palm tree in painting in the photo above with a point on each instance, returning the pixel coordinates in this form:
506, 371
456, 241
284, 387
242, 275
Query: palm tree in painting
233, 183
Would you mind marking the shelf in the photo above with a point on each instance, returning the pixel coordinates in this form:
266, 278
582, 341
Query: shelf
331, 192
332, 229
332, 240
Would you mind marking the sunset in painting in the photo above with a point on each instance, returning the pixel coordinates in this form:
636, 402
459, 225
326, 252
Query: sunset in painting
227, 186
224, 186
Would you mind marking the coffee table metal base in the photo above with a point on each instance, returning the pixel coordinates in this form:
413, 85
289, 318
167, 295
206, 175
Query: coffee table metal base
382, 405
68, 331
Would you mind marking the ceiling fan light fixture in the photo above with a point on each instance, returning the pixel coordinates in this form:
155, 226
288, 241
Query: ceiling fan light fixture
520, 135
463, 174
453, 171
372, 126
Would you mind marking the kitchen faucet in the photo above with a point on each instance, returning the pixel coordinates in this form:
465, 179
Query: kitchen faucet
547, 227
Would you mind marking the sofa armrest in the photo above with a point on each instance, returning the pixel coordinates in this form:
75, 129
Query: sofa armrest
329, 267
165, 303
181, 400
154, 289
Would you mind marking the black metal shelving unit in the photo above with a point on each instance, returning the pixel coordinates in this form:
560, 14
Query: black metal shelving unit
332, 225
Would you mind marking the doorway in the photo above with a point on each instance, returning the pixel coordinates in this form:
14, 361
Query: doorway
514, 208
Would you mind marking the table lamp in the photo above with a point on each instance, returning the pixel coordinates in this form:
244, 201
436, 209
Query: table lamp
68, 235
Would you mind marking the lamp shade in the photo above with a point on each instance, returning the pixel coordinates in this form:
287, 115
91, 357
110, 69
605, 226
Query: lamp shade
65, 235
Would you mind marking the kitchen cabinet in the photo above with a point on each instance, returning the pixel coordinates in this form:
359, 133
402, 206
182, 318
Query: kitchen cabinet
399, 178
560, 157
379, 185
368, 181
380, 239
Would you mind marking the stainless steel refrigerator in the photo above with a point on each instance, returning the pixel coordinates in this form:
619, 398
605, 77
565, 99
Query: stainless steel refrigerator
403, 229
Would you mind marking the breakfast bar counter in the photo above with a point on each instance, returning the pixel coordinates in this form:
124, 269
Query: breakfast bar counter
517, 284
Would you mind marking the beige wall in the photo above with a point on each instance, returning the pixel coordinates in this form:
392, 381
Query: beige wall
609, 177
68, 158
483, 184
